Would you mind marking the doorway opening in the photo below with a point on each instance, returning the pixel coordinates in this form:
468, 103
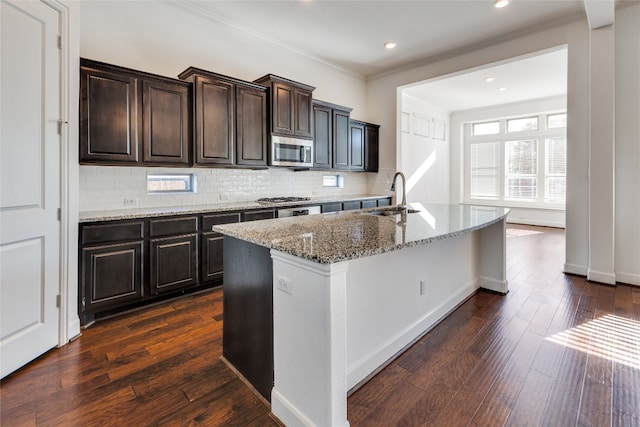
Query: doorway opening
490, 136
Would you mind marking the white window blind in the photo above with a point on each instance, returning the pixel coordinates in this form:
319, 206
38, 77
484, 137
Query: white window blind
485, 169
522, 169
556, 169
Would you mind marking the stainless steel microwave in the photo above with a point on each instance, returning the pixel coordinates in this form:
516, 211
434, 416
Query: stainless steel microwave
294, 152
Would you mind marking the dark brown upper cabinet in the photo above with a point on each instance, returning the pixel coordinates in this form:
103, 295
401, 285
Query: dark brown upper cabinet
290, 102
371, 137
331, 135
230, 120
322, 136
356, 145
129, 117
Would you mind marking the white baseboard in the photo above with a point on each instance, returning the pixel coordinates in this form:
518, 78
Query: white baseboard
628, 278
287, 413
601, 277
580, 270
500, 286
541, 223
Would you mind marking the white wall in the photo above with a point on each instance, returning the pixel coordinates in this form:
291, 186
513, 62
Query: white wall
106, 187
627, 149
166, 38
424, 161
544, 217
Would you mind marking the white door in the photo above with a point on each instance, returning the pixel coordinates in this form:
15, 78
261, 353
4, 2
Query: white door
30, 182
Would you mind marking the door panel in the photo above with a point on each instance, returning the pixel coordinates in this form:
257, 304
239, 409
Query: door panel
30, 182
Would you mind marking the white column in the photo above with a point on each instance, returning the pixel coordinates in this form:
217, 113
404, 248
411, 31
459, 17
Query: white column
492, 257
602, 155
309, 342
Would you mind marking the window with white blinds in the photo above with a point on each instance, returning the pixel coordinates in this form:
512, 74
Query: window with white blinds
513, 161
485, 169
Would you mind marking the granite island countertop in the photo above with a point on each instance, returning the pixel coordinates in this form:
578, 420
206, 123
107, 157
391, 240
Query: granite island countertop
136, 213
342, 236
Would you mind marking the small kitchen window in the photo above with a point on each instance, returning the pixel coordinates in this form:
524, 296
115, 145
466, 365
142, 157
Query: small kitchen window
171, 183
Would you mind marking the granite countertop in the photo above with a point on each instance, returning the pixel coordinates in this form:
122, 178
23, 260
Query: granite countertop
135, 213
342, 236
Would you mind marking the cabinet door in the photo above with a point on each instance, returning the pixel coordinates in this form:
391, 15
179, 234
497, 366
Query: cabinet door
215, 121
322, 137
166, 123
108, 117
111, 275
173, 263
302, 113
341, 149
211, 244
371, 135
251, 121
282, 109
356, 146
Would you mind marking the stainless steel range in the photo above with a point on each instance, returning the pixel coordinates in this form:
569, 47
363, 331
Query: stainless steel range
283, 199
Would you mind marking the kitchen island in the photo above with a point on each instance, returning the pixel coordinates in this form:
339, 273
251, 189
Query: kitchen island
316, 305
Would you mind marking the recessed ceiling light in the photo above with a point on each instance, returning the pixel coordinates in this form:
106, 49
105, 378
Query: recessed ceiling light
390, 45
502, 89
500, 3
489, 79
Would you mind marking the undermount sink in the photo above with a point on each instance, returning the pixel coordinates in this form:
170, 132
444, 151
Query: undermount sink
392, 211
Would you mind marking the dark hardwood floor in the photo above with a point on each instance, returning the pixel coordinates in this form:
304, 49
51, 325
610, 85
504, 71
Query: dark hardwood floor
556, 351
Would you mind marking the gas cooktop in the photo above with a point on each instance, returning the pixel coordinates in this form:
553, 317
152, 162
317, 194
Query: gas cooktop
283, 199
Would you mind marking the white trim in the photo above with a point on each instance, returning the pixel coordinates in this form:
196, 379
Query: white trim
68, 324
628, 278
601, 277
580, 270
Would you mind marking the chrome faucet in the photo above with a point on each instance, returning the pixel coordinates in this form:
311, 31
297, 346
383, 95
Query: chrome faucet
404, 188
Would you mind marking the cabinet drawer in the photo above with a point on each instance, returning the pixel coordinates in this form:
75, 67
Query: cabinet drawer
347, 206
209, 221
331, 207
112, 232
256, 215
165, 227
369, 204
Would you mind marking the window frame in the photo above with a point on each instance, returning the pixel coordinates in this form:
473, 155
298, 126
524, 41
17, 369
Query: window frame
540, 135
192, 178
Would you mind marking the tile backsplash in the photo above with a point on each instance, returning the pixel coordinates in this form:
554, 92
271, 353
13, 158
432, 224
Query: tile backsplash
116, 187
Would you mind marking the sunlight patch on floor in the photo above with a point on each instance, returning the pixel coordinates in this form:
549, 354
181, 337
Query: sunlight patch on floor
516, 232
611, 337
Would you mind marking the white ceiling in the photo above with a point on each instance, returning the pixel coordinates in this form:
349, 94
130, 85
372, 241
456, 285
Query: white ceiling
534, 77
350, 34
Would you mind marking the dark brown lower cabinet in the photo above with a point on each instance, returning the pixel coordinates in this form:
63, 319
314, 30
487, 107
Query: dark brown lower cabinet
111, 275
129, 263
173, 262
211, 243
